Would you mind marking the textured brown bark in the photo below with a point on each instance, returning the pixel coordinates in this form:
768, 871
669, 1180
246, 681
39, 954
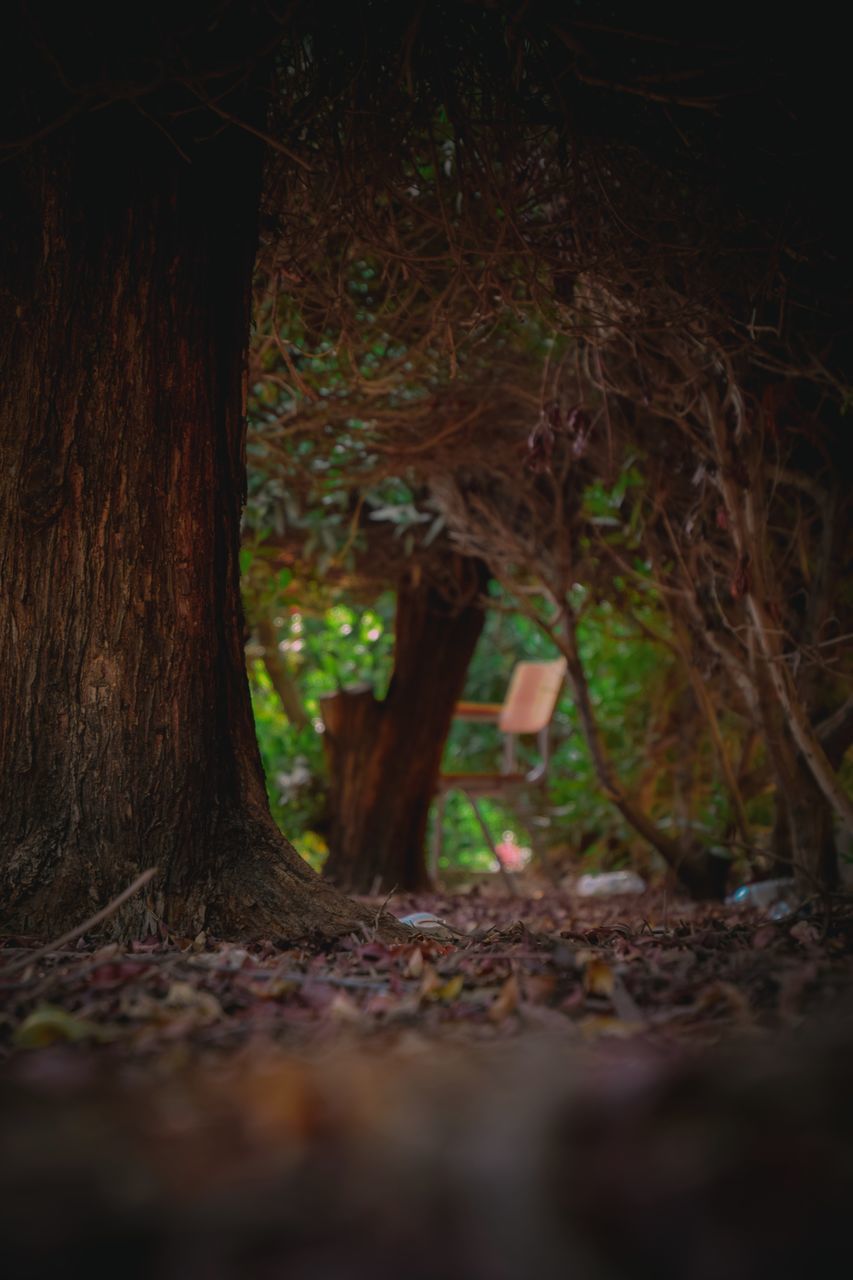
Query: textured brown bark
126, 735
384, 756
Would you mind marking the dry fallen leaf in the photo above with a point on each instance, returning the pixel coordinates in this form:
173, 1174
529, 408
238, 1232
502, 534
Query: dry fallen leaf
202, 1005
539, 987
806, 934
430, 983
344, 1008
724, 997
505, 1002
226, 960
433, 987
595, 1025
276, 989
598, 978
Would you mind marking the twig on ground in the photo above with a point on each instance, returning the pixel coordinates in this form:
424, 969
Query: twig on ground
71, 936
380, 910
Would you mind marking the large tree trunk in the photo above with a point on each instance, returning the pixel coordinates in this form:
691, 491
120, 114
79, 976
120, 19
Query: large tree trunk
126, 736
384, 756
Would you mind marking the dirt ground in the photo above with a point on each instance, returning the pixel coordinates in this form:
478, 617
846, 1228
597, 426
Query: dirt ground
544, 1086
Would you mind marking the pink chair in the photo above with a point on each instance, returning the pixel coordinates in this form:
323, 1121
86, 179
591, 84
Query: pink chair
527, 708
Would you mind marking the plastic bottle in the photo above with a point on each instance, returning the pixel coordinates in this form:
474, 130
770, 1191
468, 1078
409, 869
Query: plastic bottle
609, 883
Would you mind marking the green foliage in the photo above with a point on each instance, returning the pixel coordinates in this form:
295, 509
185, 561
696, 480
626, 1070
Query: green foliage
342, 646
347, 645
292, 760
650, 726
624, 671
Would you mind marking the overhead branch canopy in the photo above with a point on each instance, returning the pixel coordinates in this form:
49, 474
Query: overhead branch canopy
503, 248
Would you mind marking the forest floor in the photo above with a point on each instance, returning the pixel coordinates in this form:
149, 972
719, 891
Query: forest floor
544, 1086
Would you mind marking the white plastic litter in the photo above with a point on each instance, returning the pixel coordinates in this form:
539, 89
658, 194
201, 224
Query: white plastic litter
609, 883
423, 921
763, 894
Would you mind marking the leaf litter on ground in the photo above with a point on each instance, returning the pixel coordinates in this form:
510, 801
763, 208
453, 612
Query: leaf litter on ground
656, 967
540, 1038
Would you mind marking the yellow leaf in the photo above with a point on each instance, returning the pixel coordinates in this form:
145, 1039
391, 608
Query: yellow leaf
451, 989
600, 1024
598, 979
432, 987
276, 989
48, 1024
505, 1002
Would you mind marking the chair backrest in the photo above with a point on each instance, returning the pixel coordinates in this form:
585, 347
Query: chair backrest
532, 696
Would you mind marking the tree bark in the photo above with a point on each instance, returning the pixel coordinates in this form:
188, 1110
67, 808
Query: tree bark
384, 756
126, 736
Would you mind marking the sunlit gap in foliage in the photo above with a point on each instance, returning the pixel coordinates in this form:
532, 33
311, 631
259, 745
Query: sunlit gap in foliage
632, 684
321, 650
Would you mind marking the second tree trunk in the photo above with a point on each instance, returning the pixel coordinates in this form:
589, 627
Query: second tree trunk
384, 756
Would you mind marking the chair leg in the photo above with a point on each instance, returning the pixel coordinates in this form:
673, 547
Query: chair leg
437, 837
505, 875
